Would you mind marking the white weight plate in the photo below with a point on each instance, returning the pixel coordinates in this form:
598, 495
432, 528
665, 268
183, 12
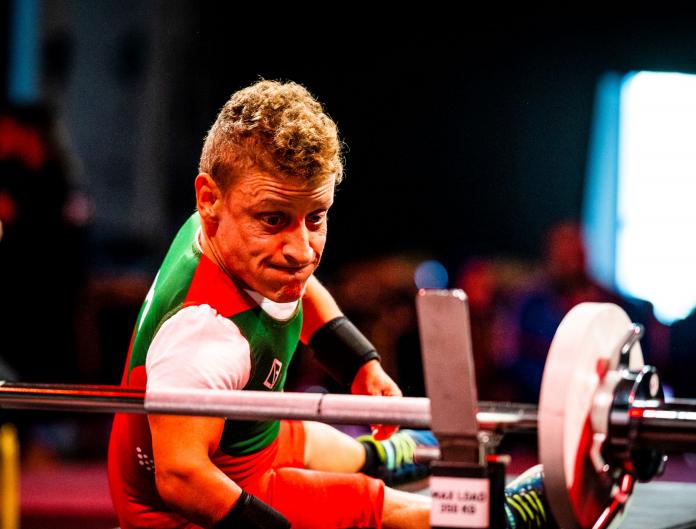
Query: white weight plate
587, 342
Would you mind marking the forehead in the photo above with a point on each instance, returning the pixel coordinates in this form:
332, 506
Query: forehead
257, 185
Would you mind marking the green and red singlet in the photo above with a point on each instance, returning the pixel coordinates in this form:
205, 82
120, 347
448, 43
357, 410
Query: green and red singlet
197, 328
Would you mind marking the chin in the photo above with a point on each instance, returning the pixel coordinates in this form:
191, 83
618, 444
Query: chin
287, 297
288, 293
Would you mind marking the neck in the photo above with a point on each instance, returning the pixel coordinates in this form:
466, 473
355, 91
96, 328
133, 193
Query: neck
208, 248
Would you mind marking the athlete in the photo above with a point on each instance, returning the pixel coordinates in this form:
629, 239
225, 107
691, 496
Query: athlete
233, 297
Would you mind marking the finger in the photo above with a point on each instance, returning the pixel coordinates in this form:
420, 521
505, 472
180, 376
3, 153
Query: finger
391, 390
382, 432
395, 393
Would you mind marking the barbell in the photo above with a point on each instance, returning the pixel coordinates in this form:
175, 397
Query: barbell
602, 421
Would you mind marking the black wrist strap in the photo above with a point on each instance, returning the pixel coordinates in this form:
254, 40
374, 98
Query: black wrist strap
251, 513
342, 349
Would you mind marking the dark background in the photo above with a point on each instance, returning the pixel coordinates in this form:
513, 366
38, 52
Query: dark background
468, 140
465, 135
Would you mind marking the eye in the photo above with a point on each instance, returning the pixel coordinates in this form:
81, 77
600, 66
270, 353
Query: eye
273, 220
317, 218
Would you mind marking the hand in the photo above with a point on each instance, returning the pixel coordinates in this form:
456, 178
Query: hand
371, 379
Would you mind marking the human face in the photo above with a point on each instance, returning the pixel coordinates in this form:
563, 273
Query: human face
270, 232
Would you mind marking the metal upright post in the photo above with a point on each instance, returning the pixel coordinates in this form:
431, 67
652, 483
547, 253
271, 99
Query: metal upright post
466, 489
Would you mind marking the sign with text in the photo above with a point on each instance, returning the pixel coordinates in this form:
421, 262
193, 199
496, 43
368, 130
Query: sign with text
460, 502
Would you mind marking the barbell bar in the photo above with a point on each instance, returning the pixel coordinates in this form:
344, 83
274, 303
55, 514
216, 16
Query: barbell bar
413, 412
670, 425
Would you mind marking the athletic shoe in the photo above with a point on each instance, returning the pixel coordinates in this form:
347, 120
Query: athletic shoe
525, 501
395, 458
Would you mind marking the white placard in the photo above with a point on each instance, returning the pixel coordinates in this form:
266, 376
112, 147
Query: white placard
460, 502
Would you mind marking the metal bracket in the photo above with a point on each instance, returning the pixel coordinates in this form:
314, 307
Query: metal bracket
448, 365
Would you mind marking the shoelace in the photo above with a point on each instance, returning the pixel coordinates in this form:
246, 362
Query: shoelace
404, 450
528, 507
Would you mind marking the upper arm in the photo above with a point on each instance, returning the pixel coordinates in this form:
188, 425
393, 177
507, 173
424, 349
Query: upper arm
186, 478
181, 443
195, 348
198, 349
318, 308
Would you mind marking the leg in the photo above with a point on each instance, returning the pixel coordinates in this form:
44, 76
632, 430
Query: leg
329, 449
404, 510
525, 505
313, 499
326, 448
392, 461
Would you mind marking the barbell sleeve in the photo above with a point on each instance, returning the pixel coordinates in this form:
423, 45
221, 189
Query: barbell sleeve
669, 425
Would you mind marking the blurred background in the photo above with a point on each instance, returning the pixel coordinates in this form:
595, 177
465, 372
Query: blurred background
536, 161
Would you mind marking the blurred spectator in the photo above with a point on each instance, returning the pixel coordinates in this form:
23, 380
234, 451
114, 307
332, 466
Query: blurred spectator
379, 295
106, 314
42, 248
487, 288
565, 282
477, 279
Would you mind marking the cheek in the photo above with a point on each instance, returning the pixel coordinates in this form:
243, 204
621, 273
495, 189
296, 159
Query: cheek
261, 248
241, 239
317, 241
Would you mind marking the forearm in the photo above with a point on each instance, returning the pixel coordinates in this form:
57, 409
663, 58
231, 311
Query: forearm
342, 349
189, 482
318, 308
186, 478
201, 493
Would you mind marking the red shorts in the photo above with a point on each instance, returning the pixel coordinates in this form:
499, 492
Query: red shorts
313, 499
309, 499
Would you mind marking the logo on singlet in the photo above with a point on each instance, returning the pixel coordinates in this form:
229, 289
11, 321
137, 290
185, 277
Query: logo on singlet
273, 374
145, 460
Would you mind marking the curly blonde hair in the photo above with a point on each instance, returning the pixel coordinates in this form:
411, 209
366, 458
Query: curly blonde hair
279, 128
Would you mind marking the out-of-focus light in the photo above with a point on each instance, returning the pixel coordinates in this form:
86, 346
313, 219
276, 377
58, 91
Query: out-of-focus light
656, 186
23, 70
431, 274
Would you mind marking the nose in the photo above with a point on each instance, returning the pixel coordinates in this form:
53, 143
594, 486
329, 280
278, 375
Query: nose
297, 247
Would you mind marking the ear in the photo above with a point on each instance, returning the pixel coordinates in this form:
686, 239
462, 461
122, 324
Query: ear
208, 198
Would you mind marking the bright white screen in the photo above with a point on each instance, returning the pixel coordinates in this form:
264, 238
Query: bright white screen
656, 210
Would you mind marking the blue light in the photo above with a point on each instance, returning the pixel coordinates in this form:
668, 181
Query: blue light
23, 76
431, 274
